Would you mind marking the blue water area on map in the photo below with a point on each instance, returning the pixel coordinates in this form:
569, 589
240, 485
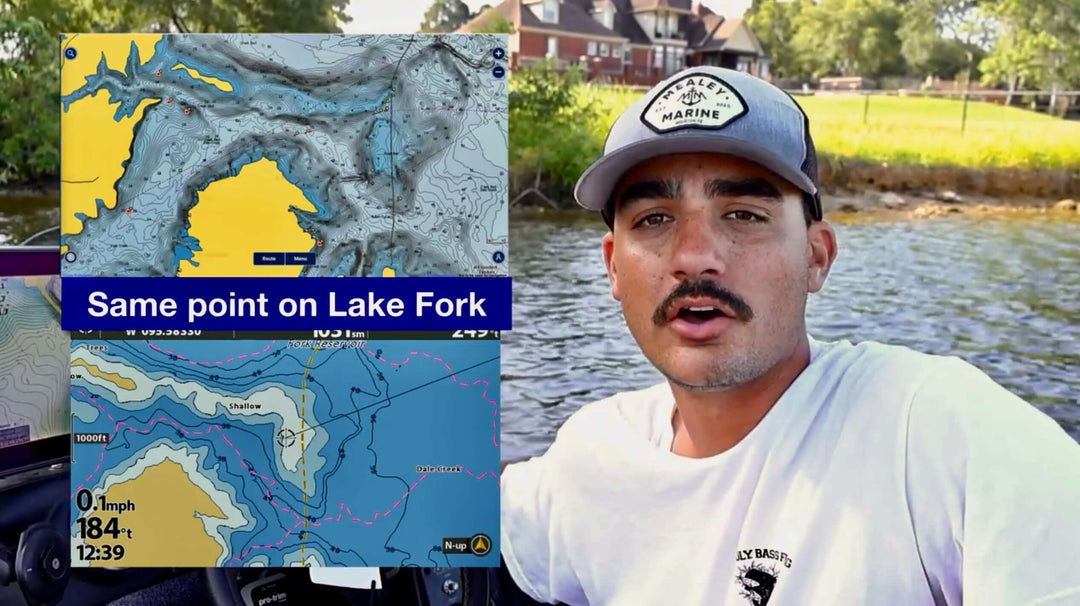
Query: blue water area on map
371, 416
186, 249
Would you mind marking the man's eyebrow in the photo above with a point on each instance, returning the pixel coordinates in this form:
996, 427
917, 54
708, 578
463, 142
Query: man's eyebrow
668, 189
751, 188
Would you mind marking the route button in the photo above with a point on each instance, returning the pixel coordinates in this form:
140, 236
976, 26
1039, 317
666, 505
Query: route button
269, 258
480, 544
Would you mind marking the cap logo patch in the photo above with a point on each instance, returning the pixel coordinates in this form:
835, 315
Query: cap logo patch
694, 101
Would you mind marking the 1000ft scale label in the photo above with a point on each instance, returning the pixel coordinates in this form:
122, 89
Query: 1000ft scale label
100, 530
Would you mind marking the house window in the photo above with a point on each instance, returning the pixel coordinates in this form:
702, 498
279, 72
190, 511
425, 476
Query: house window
672, 24
658, 57
609, 18
591, 49
743, 65
603, 49
616, 51
553, 47
551, 11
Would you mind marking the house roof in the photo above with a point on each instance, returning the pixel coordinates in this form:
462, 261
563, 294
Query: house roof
573, 18
627, 25
705, 30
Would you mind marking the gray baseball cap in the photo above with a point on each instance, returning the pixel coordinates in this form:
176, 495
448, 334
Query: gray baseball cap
707, 109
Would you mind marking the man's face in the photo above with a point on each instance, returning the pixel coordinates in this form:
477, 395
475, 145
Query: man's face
712, 261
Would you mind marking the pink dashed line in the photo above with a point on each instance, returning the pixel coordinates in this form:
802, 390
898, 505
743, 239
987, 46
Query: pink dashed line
265, 349
273, 503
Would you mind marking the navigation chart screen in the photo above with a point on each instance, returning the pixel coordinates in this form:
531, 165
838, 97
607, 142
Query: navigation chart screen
33, 365
221, 449
283, 155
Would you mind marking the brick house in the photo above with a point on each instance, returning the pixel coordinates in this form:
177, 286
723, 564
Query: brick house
626, 41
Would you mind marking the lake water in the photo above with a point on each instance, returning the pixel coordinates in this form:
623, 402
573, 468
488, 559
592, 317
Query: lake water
1002, 292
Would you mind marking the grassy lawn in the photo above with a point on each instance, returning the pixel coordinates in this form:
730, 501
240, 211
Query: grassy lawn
913, 130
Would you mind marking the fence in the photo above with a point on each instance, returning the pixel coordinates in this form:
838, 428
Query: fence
1064, 104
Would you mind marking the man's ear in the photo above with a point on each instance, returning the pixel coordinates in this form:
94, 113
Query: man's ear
821, 241
608, 247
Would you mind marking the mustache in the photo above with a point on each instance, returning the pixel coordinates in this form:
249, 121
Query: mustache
703, 288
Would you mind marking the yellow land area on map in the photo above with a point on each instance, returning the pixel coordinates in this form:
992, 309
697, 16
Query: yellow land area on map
221, 84
92, 144
111, 377
239, 216
165, 529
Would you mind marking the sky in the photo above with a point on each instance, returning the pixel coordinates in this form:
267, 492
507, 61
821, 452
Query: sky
404, 16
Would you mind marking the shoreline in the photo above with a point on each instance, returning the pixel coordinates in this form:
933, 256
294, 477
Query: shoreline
850, 188
849, 206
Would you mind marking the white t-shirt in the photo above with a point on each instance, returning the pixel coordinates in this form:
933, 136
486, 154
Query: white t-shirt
881, 476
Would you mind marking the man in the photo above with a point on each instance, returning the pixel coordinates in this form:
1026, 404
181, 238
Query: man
771, 468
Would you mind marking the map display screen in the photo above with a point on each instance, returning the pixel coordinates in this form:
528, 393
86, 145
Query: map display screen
34, 418
230, 449
283, 155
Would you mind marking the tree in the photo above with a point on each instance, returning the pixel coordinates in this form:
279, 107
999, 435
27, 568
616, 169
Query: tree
445, 16
849, 38
28, 125
29, 65
944, 37
546, 134
773, 23
1040, 44
492, 22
